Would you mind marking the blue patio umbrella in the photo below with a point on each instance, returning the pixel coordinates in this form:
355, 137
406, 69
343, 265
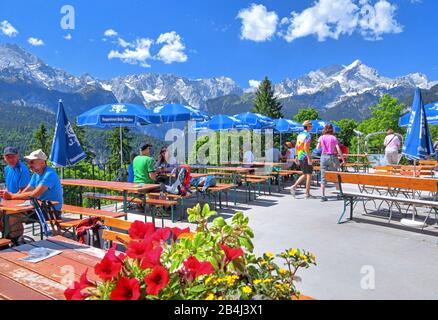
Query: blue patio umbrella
318, 126
66, 149
220, 122
418, 143
431, 113
178, 112
286, 126
255, 120
117, 115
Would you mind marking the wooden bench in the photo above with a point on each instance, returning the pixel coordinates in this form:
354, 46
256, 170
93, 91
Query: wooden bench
392, 184
89, 212
152, 202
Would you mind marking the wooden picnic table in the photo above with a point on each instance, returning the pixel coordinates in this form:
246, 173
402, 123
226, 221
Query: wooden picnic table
48, 279
123, 187
17, 208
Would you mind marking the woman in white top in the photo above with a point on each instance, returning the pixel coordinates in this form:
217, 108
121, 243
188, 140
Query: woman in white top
392, 145
290, 155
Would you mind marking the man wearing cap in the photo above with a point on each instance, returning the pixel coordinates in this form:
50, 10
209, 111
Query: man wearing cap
144, 166
304, 158
44, 184
17, 174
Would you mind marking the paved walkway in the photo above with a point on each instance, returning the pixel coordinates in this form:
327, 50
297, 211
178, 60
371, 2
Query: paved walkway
403, 261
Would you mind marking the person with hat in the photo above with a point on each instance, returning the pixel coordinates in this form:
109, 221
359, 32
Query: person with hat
17, 175
304, 157
44, 184
144, 166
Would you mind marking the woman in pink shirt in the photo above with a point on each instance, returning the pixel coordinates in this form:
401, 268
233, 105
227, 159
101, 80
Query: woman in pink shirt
329, 161
392, 144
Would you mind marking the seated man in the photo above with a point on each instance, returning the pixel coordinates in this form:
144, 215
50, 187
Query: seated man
144, 166
17, 174
44, 184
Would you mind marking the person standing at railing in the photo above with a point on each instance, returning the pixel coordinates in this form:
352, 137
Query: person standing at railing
328, 143
392, 145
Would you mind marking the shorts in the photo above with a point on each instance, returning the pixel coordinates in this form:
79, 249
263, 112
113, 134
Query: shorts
329, 162
305, 167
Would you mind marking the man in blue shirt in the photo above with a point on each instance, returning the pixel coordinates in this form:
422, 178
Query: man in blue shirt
44, 184
16, 172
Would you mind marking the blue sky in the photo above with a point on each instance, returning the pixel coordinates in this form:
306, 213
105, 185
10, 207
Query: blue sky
243, 40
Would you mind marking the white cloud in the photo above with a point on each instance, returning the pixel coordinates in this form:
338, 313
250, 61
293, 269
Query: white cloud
8, 29
326, 19
138, 55
254, 84
173, 50
378, 19
35, 42
123, 43
68, 37
332, 18
110, 33
258, 24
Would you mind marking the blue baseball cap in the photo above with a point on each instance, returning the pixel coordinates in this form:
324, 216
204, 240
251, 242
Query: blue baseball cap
10, 150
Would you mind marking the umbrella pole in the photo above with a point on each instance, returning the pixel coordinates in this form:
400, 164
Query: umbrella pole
121, 148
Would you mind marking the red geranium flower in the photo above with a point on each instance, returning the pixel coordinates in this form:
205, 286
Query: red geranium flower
107, 268
156, 280
176, 232
126, 289
152, 258
137, 249
111, 254
161, 234
231, 253
75, 293
193, 268
140, 230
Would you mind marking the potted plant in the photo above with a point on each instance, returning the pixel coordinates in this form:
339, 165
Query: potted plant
214, 262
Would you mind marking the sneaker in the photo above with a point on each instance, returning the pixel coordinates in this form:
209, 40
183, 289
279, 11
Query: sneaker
324, 199
293, 192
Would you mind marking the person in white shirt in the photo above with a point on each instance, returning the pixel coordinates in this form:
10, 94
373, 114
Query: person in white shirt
392, 145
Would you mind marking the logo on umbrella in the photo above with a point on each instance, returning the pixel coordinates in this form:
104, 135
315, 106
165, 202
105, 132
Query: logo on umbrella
118, 108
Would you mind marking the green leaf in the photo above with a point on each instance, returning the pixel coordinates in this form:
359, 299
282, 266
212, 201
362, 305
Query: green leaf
219, 222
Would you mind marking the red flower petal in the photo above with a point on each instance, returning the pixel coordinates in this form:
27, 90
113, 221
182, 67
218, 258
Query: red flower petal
156, 280
152, 258
138, 249
107, 268
126, 289
231, 253
140, 230
176, 232
75, 292
193, 268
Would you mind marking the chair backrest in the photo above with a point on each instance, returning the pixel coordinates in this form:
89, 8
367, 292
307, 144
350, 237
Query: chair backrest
45, 212
114, 236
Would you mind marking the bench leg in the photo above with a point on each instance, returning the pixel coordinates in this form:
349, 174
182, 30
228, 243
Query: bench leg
347, 202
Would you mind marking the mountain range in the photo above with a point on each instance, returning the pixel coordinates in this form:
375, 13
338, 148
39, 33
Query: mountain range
337, 91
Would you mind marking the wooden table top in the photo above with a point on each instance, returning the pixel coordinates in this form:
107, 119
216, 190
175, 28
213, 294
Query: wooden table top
232, 169
110, 185
45, 280
15, 206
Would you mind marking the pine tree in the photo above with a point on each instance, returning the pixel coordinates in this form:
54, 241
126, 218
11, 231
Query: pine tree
265, 102
41, 139
81, 135
114, 145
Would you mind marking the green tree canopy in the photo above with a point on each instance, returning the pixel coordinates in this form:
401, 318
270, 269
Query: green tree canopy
265, 102
42, 139
306, 114
384, 115
347, 131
